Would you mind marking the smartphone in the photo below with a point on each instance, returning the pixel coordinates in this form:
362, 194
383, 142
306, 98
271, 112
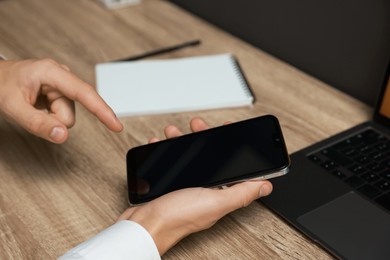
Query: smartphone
245, 150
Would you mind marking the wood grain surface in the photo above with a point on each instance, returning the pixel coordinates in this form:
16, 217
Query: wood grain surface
53, 197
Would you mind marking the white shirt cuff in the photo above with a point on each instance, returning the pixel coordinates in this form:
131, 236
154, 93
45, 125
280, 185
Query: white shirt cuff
123, 240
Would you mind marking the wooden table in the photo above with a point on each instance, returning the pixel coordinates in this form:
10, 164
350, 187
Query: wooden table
53, 197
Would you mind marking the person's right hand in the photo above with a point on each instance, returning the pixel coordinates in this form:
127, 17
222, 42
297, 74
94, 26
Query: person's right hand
175, 215
39, 95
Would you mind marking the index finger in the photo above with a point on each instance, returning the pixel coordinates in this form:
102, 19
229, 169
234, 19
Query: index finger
76, 89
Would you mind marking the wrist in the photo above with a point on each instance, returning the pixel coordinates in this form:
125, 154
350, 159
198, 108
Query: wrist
163, 234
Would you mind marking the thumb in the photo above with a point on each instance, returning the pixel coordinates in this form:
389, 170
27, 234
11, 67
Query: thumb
40, 123
242, 194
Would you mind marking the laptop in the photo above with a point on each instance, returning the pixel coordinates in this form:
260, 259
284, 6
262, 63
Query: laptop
338, 190
333, 193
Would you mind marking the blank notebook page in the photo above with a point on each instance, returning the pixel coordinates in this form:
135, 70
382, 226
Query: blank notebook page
174, 85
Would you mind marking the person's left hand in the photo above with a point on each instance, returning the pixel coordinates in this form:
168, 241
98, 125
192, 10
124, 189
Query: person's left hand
175, 215
39, 95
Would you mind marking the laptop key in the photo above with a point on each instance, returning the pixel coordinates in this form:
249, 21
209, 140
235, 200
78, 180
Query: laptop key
339, 174
369, 191
377, 156
375, 167
348, 143
386, 163
384, 201
355, 141
370, 136
315, 158
362, 159
354, 181
357, 169
371, 177
365, 148
329, 165
337, 157
383, 185
383, 146
351, 152
386, 175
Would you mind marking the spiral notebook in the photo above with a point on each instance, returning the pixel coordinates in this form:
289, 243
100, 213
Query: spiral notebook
173, 85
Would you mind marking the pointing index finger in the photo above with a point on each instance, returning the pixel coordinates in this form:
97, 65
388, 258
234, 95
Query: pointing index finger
78, 90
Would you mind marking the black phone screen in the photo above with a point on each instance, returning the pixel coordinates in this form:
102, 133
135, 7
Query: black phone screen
217, 156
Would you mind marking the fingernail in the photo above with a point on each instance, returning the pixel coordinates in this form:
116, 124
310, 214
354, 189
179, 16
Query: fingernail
57, 134
265, 190
117, 121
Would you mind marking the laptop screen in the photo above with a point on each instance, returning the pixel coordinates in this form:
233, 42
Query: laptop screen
382, 110
385, 105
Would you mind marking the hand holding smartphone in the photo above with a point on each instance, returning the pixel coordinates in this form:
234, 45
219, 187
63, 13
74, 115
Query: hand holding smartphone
245, 150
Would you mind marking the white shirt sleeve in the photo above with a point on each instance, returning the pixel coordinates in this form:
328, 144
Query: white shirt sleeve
123, 240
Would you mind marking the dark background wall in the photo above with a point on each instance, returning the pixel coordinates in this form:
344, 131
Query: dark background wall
343, 43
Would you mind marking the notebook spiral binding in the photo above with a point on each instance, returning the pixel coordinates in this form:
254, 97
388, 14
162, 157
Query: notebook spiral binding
247, 89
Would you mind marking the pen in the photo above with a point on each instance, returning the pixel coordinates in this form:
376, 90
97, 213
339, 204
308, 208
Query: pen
162, 50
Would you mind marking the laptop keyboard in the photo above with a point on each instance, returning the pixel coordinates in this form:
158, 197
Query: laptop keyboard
363, 162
